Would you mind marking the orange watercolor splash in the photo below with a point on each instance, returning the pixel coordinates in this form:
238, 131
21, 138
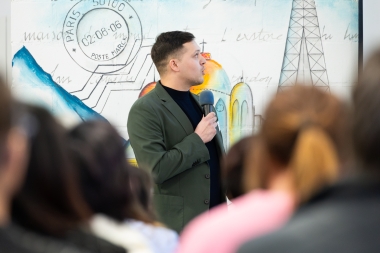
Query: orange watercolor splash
207, 56
210, 79
214, 79
147, 89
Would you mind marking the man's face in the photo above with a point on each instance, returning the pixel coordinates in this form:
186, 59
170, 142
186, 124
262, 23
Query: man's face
191, 64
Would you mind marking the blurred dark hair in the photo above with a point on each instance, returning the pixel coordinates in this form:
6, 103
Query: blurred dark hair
5, 114
168, 44
49, 201
99, 154
232, 169
142, 187
366, 115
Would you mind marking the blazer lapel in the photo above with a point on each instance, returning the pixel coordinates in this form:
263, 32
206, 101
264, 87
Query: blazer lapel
174, 108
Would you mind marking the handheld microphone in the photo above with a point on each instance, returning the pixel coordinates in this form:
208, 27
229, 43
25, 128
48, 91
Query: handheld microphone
206, 99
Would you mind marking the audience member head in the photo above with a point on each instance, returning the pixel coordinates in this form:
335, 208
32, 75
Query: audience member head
49, 201
13, 153
304, 135
232, 167
141, 183
5, 111
366, 116
168, 45
98, 151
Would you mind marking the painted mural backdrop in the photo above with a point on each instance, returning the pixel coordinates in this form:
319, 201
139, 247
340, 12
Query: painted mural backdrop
91, 58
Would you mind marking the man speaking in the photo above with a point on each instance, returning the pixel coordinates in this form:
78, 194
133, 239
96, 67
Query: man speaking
171, 137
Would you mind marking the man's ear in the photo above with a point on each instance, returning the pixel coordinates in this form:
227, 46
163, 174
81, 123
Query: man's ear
173, 64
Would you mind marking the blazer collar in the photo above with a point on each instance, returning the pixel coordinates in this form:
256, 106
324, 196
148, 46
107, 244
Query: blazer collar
174, 108
182, 118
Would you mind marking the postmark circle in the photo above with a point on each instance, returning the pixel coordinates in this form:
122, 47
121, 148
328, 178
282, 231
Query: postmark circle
102, 36
96, 37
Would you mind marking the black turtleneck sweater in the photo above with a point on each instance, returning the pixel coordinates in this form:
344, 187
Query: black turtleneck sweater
190, 107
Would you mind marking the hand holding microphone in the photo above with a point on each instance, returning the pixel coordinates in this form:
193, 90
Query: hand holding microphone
206, 128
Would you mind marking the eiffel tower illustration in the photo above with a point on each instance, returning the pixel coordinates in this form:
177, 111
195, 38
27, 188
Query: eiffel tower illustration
304, 59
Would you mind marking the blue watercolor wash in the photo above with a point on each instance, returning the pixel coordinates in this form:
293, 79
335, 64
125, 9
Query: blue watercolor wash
34, 76
39, 78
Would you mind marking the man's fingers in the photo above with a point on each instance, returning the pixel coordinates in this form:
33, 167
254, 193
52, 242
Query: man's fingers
210, 115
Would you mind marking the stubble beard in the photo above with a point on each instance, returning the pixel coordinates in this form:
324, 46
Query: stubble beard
198, 82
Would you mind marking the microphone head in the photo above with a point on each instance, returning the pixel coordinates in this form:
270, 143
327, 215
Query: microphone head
206, 98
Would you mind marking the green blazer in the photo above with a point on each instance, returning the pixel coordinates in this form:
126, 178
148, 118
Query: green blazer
164, 143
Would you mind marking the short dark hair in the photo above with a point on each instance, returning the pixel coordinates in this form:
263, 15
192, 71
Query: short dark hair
168, 44
366, 114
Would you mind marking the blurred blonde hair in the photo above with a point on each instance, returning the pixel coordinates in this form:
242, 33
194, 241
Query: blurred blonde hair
305, 130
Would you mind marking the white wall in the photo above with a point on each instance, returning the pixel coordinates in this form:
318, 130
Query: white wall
5, 40
371, 31
5, 8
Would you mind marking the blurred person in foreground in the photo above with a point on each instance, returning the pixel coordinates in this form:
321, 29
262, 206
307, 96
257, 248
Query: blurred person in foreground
232, 169
13, 159
16, 132
344, 217
298, 151
118, 193
161, 238
49, 202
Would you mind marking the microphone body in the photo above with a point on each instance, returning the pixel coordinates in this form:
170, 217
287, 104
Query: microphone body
206, 99
207, 109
